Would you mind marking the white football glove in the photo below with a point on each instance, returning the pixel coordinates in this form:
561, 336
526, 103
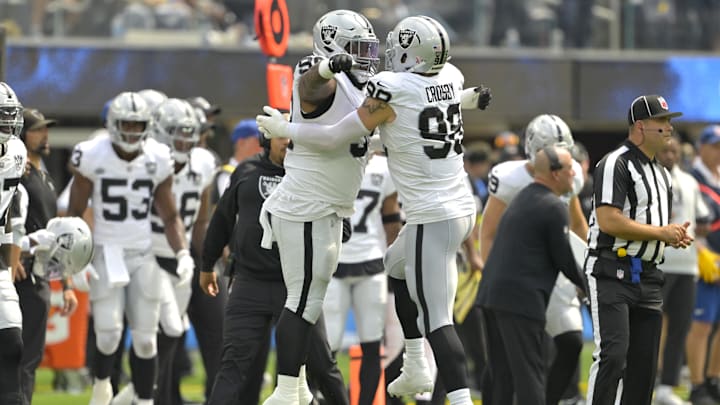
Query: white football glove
272, 125
185, 267
44, 240
81, 280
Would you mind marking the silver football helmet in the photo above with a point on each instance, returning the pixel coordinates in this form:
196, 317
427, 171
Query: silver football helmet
417, 44
128, 121
176, 125
11, 113
153, 97
546, 130
345, 31
72, 250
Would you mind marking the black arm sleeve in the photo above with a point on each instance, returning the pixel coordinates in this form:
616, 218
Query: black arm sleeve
558, 236
221, 226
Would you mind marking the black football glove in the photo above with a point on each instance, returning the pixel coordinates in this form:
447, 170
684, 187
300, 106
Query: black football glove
484, 96
341, 62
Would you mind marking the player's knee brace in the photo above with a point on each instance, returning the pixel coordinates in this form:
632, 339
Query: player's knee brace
144, 344
107, 341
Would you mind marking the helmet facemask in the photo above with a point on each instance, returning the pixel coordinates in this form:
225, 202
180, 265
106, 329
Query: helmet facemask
131, 134
183, 139
128, 121
365, 56
11, 122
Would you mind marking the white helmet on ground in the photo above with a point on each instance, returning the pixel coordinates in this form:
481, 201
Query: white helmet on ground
546, 130
345, 31
417, 44
11, 113
176, 125
125, 111
71, 251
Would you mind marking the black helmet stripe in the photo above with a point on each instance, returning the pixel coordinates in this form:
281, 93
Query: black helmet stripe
443, 40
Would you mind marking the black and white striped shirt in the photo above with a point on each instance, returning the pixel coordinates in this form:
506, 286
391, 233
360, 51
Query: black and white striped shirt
625, 178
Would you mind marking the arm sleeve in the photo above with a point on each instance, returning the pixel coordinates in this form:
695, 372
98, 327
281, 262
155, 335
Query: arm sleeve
221, 225
328, 137
559, 244
611, 181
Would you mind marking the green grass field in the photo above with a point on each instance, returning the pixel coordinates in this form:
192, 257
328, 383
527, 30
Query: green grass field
192, 386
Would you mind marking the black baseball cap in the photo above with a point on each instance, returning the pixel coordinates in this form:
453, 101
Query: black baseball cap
652, 106
34, 119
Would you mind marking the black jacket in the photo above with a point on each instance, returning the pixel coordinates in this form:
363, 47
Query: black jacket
235, 221
530, 247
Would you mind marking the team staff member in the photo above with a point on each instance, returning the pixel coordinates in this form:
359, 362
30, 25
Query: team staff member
629, 229
258, 293
35, 206
514, 302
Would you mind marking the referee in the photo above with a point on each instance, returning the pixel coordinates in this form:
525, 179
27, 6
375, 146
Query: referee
36, 205
257, 293
629, 229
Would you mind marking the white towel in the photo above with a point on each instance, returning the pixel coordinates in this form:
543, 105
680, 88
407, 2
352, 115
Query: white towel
117, 272
268, 237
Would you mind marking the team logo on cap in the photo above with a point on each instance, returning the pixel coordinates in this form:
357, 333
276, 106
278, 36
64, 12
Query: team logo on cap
266, 185
327, 33
406, 37
663, 103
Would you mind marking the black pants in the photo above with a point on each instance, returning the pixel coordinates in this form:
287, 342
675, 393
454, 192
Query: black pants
35, 306
206, 316
516, 351
678, 303
252, 310
629, 319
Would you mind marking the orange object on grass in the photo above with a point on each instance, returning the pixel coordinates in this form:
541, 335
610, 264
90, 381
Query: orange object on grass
355, 353
66, 336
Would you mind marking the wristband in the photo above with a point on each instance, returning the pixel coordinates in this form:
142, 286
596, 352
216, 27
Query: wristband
25, 243
324, 69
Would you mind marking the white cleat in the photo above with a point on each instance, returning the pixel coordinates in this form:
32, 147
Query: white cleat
665, 396
125, 396
102, 392
415, 378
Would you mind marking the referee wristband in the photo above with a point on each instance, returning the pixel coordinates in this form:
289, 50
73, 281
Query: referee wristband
324, 69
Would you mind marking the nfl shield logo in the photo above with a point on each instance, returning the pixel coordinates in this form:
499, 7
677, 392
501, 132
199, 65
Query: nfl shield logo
267, 184
151, 167
376, 179
406, 37
327, 33
663, 103
19, 163
620, 274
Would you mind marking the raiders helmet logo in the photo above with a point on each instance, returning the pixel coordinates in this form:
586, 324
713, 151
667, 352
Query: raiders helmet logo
66, 241
327, 33
267, 184
406, 37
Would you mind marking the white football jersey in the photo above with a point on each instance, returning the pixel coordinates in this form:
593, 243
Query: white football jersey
368, 241
122, 191
508, 178
12, 167
424, 143
319, 183
188, 186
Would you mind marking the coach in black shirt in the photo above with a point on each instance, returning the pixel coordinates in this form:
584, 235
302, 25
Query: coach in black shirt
530, 248
257, 293
629, 229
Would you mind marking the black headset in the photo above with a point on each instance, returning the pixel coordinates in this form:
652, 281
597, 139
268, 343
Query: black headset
553, 158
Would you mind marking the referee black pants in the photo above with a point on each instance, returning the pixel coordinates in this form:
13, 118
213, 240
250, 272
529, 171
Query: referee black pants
627, 319
253, 308
34, 294
516, 353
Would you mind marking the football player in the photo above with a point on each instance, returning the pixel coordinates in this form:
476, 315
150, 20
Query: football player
417, 106
13, 157
175, 125
360, 281
304, 213
564, 321
125, 174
